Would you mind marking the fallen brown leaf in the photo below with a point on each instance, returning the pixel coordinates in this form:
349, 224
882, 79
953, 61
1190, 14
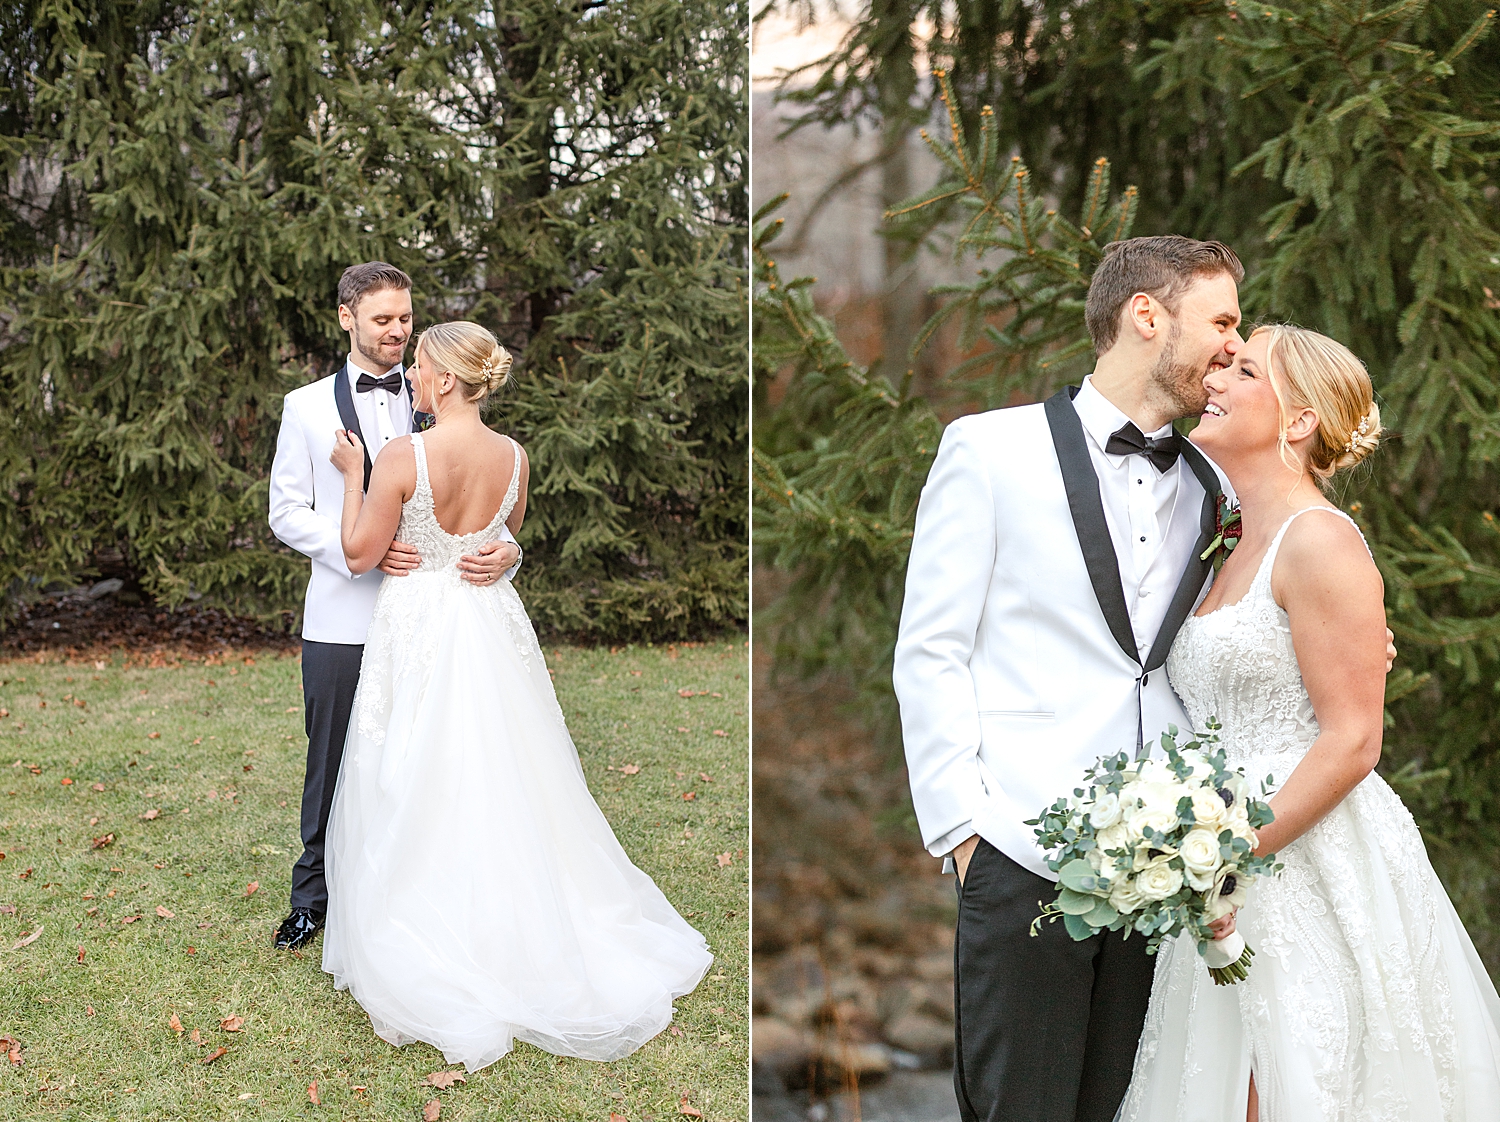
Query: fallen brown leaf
89, 1009
689, 796
193, 950
442, 1080
359, 1088
23, 876
98, 786
725, 859
196, 1037
630, 769
154, 812
217, 1052
81, 953
613, 1117
432, 1111
12, 1048
129, 919
153, 736
703, 775
689, 1111
100, 843
26, 940
720, 732
674, 1030
66, 782
232, 1023
312, 1093
684, 693
161, 911
251, 887
175, 1024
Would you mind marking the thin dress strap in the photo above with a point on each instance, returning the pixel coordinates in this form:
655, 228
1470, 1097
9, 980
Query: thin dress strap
513, 492
424, 483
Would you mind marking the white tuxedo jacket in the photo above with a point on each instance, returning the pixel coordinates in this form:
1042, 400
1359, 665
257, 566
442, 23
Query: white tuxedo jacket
307, 504
1016, 666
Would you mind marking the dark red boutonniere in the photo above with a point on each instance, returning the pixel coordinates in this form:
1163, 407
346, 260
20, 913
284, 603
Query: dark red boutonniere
1227, 532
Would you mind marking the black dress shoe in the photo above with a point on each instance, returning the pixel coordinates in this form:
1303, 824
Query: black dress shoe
298, 928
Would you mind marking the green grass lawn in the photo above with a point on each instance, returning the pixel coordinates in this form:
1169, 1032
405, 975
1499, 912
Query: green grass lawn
195, 772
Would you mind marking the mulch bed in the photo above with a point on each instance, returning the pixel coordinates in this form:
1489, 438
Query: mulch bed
72, 626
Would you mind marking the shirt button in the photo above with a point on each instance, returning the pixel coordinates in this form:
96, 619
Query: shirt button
1140, 481
1143, 538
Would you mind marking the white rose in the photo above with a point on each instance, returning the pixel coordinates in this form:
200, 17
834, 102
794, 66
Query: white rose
1155, 771
1125, 897
1200, 854
1208, 808
1161, 796
1164, 821
1197, 763
1105, 812
1158, 881
1112, 837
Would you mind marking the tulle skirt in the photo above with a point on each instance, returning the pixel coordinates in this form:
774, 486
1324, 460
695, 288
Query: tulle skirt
477, 896
1366, 1001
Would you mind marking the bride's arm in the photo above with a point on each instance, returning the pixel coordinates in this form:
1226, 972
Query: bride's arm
1335, 600
369, 522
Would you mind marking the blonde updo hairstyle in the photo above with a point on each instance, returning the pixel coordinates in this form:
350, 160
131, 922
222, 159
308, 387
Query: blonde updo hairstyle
468, 352
1318, 373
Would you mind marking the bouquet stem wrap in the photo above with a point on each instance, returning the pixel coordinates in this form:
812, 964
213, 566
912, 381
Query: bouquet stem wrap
1227, 959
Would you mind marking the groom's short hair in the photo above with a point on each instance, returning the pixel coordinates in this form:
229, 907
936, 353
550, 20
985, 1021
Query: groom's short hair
1161, 267
359, 281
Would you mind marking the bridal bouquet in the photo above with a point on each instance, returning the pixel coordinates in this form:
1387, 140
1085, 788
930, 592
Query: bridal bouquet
1158, 846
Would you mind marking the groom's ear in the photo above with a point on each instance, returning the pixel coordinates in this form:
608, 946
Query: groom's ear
346, 317
1143, 315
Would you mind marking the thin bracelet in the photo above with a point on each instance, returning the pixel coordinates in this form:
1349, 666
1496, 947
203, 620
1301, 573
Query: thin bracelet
351, 490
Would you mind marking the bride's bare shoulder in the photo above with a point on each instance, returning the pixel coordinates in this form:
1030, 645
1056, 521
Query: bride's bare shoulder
1324, 551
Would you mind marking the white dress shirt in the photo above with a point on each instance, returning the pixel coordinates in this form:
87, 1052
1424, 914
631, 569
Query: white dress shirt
1144, 517
382, 416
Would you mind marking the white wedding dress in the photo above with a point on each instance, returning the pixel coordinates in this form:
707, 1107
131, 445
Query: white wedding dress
1366, 1001
477, 896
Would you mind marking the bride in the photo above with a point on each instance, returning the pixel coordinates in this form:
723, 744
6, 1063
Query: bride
1366, 1001
477, 896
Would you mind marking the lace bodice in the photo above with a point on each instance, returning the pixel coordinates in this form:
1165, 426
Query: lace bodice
419, 525
1237, 664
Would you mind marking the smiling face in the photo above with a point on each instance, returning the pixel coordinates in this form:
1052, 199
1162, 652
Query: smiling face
379, 327
1202, 339
1243, 413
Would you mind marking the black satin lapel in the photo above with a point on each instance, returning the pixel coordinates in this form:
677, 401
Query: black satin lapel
1196, 571
350, 419
1082, 486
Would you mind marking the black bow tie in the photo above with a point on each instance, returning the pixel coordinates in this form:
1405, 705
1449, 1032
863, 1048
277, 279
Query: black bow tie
1128, 440
391, 383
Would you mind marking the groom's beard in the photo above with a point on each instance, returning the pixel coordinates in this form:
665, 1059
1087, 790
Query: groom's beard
1180, 382
378, 356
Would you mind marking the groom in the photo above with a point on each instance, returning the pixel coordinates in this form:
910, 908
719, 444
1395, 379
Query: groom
1057, 552
370, 395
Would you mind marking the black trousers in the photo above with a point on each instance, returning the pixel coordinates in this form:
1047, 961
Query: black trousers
1046, 1027
330, 673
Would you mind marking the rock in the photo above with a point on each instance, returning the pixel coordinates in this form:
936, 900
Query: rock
105, 587
862, 1060
924, 1035
778, 1047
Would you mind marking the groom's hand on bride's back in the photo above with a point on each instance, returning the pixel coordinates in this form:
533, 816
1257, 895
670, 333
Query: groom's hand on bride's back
399, 560
1390, 649
493, 561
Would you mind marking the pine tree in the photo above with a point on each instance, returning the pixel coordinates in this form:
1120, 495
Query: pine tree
187, 183
1369, 137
